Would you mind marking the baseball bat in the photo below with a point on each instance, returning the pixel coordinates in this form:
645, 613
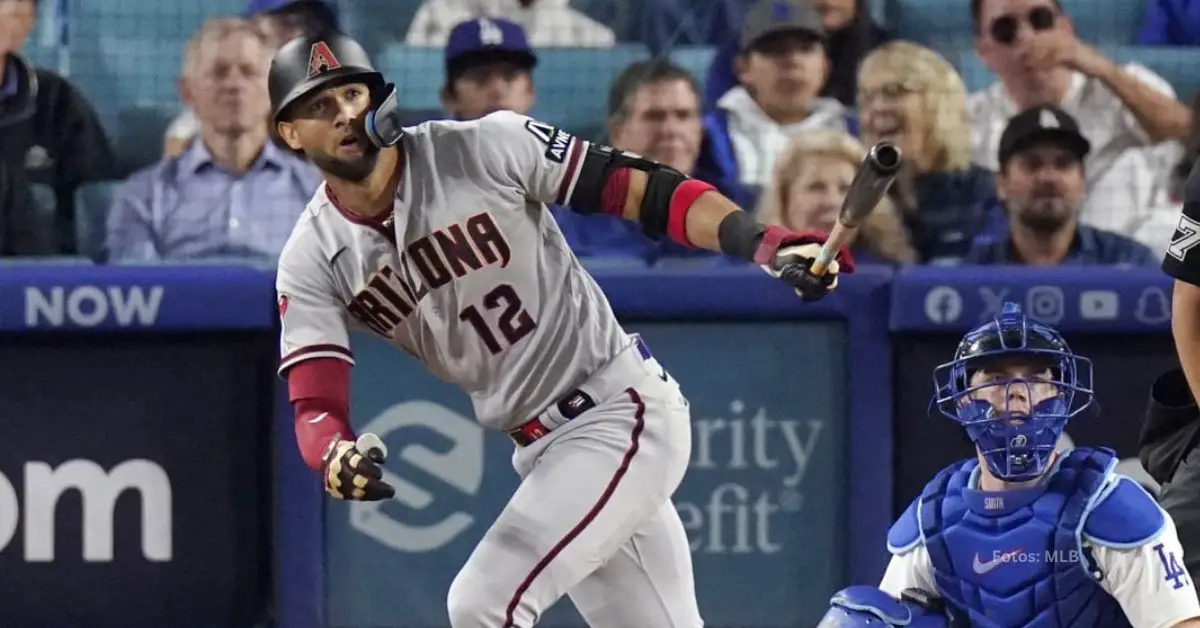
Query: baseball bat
870, 183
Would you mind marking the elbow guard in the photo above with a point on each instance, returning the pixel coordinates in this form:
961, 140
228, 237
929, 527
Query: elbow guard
661, 182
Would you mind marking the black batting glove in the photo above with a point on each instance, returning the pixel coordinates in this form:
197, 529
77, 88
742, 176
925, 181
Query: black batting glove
789, 256
352, 469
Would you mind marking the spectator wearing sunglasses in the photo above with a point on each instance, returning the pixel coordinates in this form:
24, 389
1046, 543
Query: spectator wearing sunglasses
1129, 114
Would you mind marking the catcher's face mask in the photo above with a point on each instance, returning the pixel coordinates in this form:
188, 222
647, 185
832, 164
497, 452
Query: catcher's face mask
1013, 385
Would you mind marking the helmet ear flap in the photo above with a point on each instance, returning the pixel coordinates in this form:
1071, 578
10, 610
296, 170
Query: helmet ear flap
383, 123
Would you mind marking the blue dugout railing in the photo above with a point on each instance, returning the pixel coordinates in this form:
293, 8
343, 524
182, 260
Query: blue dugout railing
792, 481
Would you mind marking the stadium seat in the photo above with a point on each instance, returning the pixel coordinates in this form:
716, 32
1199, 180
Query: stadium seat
943, 25
131, 55
695, 59
946, 24
377, 23
138, 135
625, 17
92, 202
572, 83
417, 72
974, 74
1106, 22
1176, 65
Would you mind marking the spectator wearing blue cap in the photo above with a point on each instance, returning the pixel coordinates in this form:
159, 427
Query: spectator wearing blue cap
549, 23
280, 21
781, 68
488, 68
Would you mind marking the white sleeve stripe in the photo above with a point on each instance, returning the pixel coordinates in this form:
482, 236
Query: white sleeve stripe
571, 175
293, 361
315, 351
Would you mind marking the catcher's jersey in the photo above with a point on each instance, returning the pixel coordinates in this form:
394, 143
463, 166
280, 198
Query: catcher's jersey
469, 273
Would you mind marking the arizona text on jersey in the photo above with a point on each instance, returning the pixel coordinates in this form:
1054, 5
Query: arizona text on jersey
468, 273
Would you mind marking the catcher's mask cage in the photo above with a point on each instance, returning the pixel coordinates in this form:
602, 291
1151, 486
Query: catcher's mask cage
1018, 438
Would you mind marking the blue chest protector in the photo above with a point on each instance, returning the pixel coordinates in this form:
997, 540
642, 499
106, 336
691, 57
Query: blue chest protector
1023, 558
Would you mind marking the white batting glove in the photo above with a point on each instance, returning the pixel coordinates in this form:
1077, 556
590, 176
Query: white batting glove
351, 469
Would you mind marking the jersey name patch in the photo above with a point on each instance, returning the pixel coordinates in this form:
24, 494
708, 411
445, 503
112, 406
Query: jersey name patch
556, 141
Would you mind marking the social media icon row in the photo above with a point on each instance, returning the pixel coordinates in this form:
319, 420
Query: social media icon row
1048, 304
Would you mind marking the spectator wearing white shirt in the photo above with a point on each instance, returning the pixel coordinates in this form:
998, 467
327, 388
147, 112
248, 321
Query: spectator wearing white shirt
548, 23
1129, 114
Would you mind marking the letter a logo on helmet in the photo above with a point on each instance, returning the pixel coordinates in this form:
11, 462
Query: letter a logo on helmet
321, 59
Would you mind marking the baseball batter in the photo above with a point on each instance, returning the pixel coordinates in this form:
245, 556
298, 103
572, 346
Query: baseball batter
437, 239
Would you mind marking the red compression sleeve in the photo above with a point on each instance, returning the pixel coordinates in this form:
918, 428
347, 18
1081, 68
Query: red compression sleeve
616, 189
681, 202
319, 390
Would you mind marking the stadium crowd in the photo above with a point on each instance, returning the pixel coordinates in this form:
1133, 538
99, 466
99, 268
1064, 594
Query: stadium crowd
1068, 157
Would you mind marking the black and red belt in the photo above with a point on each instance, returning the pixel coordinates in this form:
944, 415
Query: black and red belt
570, 407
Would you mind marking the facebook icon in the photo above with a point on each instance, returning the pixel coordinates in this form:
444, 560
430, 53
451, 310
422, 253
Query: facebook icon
943, 305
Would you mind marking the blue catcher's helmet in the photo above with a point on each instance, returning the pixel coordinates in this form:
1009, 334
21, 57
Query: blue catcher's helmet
1015, 421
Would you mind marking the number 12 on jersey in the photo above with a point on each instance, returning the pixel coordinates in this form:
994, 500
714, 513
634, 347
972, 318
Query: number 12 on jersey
513, 323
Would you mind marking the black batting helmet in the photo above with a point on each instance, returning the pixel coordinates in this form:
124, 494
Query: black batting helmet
313, 62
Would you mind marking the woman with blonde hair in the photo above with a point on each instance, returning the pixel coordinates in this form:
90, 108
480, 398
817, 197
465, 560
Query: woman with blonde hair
911, 96
808, 186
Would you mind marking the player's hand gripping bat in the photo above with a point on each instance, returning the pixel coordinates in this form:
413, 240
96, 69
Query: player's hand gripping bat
353, 472
876, 174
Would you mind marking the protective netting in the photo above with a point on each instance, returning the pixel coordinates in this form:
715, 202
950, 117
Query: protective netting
125, 57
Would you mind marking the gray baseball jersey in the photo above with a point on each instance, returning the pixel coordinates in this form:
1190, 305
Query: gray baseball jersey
469, 273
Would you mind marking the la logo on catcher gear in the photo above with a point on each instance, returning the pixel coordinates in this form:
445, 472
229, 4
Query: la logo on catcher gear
321, 59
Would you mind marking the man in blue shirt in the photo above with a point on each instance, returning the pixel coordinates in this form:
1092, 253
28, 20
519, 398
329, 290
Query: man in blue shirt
1041, 183
232, 193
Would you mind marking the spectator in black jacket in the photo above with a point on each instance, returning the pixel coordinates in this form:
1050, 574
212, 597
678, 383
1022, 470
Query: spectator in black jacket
50, 139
